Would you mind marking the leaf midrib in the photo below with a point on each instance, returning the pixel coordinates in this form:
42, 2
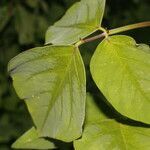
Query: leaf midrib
123, 136
50, 105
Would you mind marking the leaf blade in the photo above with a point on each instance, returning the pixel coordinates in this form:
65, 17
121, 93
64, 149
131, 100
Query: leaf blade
101, 132
110, 134
78, 22
53, 88
31, 140
128, 85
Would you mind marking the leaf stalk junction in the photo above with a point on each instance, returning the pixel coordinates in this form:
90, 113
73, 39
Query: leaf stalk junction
105, 33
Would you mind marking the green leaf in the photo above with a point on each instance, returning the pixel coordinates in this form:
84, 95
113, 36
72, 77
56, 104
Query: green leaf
102, 133
109, 134
121, 70
4, 17
93, 112
51, 79
25, 25
33, 4
31, 140
82, 19
41, 26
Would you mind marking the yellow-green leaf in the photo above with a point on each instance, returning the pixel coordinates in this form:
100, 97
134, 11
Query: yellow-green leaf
102, 133
82, 19
93, 112
51, 80
31, 140
121, 70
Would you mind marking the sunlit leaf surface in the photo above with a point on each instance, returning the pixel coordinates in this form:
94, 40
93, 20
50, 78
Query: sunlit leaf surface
121, 70
82, 19
31, 140
102, 133
51, 80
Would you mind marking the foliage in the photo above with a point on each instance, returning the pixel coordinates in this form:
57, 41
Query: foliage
127, 88
23, 26
30, 140
60, 96
79, 21
102, 132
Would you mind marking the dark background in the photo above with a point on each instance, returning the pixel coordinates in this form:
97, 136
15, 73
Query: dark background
22, 26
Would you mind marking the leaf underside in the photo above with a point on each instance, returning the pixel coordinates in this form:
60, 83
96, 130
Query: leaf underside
51, 80
121, 70
103, 133
79, 21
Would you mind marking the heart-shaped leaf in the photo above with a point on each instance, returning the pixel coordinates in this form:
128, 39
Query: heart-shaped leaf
51, 79
121, 70
102, 133
82, 19
31, 140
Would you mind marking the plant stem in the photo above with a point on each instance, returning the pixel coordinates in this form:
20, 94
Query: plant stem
95, 37
82, 41
129, 27
106, 33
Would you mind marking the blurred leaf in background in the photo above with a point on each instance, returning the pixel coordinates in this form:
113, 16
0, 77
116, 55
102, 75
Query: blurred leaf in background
23, 24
